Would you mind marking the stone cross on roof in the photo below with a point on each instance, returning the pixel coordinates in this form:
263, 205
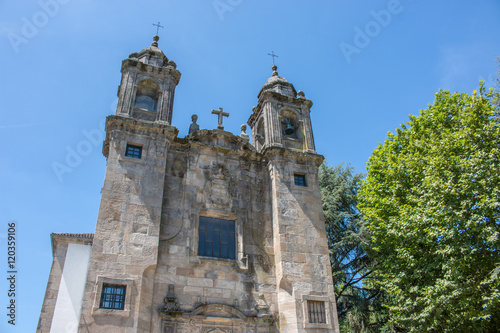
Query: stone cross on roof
220, 114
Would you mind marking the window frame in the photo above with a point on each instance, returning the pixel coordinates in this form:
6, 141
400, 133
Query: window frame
100, 283
134, 147
316, 312
327, 307
207, 233
114, 297
300, 176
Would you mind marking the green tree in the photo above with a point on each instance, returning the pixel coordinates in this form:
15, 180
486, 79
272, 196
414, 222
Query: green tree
432, 201
348, 239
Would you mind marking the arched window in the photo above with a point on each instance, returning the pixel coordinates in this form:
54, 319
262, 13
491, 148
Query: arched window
146, 96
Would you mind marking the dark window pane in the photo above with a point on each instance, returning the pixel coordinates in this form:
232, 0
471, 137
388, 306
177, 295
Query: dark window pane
210, 232
202, 245
209, 252
113, 297
223, 251
216, 238
231, 247
217, 245
217, 225
300, 180
316, 311
133, 151
224, 234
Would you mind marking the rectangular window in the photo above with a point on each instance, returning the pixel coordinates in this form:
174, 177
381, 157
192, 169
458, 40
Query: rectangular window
217, 238
316, 311
113, 296
300, 180
133, 151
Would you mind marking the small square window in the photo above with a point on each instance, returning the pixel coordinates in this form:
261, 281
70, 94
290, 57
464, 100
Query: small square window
300, 180
133, 151
217, 238
113, 296
316, 310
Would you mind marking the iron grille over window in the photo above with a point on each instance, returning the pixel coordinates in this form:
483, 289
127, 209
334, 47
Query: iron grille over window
316, 311
113, 296
217, 238
300, 180
133, 151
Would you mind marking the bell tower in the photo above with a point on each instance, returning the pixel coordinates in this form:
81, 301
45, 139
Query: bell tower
281, 117
282, 133
125, 243
148, 85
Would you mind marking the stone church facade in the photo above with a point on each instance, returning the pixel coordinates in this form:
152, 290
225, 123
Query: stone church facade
203, 233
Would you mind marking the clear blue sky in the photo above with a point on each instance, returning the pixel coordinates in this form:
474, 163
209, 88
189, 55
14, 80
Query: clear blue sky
366, 65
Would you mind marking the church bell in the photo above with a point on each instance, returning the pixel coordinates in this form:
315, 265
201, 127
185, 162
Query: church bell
289, 129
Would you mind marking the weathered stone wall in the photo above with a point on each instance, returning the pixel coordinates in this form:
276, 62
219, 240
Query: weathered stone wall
215, 174
147, 235
127, 231
302, 258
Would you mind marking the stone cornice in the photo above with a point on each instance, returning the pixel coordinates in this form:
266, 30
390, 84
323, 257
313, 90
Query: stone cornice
272, 96
139, 67
66, 238
137, 126
211, 139
273, 153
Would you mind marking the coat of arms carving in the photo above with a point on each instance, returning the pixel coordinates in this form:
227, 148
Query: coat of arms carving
220, 188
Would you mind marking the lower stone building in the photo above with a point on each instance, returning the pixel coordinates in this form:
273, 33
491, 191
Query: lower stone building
202, 233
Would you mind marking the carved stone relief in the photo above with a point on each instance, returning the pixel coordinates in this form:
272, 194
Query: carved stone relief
220, 188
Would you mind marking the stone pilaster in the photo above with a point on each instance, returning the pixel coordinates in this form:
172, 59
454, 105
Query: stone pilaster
167, 102
126, 93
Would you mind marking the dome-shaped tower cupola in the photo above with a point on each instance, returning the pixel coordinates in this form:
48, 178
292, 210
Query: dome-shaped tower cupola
281, 118
278, 84
148, 85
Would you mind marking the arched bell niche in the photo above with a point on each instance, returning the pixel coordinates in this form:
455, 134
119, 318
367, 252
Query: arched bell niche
146, 97
291, 129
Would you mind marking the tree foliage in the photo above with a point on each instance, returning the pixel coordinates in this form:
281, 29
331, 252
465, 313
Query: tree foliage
432, 200
348, 239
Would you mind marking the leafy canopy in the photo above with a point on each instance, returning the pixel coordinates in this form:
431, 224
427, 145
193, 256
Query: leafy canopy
432, 201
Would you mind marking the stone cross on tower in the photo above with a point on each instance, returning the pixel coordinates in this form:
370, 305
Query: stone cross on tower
274, 56
220, 114
158, 26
